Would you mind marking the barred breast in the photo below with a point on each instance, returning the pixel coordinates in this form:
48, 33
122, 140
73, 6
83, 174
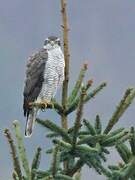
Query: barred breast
53, 74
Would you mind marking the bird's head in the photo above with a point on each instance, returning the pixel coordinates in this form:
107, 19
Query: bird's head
51, 43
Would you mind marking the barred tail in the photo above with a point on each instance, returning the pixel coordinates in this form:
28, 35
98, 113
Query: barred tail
30, 122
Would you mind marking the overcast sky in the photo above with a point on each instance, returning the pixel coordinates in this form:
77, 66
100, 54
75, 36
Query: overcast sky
101, 34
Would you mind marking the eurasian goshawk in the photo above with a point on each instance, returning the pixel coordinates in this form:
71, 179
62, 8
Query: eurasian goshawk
44, 73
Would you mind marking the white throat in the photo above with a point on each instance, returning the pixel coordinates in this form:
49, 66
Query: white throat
51, 48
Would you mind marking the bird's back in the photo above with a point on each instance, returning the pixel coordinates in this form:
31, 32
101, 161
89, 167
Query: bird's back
34, 78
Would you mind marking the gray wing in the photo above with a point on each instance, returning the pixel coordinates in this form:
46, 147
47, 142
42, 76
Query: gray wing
34, 78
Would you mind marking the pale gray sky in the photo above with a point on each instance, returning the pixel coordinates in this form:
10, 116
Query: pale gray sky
101, 33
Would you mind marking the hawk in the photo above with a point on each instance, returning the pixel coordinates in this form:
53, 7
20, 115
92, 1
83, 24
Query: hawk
44, 73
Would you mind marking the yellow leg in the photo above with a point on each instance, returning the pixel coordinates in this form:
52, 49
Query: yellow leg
45, 104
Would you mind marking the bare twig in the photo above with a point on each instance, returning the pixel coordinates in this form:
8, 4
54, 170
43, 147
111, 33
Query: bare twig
64, 122
66, 55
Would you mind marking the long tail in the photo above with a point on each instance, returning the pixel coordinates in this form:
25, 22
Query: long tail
30, 122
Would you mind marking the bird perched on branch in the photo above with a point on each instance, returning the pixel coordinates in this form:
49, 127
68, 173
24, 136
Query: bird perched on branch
44, 73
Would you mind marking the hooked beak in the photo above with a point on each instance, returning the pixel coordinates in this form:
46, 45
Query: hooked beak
52, 43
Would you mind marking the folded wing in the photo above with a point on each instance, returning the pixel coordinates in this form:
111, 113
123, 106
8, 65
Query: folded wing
34, 78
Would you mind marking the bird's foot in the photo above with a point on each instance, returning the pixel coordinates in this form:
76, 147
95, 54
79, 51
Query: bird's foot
45, 104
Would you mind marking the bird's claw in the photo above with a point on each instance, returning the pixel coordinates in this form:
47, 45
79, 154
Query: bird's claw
51, 105
45, 104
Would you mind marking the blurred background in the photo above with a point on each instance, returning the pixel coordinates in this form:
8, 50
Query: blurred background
101, 34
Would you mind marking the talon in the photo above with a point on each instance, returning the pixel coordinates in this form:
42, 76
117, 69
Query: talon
51, 104
46, 103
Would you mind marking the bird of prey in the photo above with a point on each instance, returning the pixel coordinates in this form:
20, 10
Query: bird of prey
44, 73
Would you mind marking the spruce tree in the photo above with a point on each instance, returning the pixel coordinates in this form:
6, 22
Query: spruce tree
82, 144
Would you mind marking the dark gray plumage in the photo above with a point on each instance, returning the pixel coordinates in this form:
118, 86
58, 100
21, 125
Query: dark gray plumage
34, 78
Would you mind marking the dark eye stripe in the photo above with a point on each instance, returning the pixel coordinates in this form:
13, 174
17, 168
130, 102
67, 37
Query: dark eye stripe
58, 41
46, 41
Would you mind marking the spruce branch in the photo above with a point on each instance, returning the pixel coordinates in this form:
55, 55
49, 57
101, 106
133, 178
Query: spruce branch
121, 108
86, 139
89, 96
94, 162
125, 138
123, 152
15, 159
65, 155
89, 84
121, 164
81, 133
112, 140
92, 137
95, 92
41, 174
55, 161
98, 125
55, 105
53, 127
79, 164
63, 177
89, 127
115, 132
132, 141
129, 170
104, 150
79, 114
52, 135
78, 84
63, 144
79, 148
102, 156
77, 175
114, 167
15, 176
35, 163
123, 172
49, 151
21, 148
104, 171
